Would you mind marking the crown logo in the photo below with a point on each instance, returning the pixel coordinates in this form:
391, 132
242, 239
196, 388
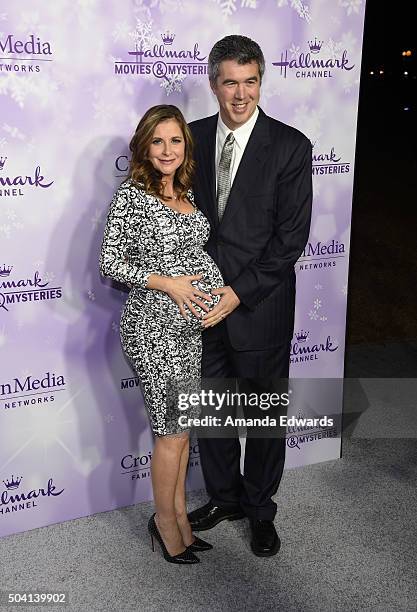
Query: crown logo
302, 336
13, 483
2, 162
315, 45
5, 271
167, 38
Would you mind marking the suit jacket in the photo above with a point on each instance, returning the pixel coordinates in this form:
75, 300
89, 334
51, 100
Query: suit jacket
264, 228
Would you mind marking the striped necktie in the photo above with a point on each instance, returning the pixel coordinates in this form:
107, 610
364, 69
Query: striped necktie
224, 176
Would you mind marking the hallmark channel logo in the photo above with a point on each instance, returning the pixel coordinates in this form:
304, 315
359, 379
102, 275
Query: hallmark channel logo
328, 162
304, 349
162, 56
138, 467
31, 390
14, 185
12, 501
23, 290
25, 56
321, 254
313, 63
304, 433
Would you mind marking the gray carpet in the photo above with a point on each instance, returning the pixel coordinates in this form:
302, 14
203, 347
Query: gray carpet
347, 528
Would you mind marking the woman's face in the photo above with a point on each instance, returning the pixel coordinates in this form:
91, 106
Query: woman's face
167, 148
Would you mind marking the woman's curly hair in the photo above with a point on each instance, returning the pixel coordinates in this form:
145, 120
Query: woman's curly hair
141, 169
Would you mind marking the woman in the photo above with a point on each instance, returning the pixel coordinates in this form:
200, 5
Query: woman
153, 242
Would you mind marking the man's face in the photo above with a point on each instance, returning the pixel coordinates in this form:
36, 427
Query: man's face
237, 90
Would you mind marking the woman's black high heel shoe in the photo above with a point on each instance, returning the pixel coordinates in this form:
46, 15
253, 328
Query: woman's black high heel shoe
185, 558
199, 545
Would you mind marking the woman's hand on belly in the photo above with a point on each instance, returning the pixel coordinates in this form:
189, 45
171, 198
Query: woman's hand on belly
181, 290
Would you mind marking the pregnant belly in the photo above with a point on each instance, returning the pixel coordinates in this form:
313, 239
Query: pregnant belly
161, 306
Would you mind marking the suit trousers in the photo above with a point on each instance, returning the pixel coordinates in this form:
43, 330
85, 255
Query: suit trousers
264, 456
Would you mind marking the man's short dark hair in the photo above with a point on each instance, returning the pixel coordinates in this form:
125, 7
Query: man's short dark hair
235, 47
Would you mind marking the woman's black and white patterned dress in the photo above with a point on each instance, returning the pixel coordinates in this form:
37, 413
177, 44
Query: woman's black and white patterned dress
144, 236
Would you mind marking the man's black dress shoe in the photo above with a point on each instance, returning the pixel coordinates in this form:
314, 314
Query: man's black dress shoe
210, 515
265, 541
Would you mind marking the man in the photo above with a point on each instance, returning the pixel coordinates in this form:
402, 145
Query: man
253, 182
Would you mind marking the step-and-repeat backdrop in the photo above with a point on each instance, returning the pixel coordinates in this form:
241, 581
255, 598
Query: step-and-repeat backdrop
75, 78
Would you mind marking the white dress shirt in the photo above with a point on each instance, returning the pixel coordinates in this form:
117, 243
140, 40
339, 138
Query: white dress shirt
241, 135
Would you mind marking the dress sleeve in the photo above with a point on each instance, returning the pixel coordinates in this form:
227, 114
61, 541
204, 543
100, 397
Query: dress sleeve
115, 261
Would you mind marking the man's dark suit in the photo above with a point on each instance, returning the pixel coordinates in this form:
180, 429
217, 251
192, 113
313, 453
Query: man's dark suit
262, 234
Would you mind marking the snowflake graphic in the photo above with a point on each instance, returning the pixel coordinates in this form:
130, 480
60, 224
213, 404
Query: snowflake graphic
48, 277
109, 418
96, 219
115, 326
143, 36
91, 295
351, 6
252, 4
121, 32
318, 287
13, 131
317, 304
313, 315
173, 84
228, 7
334, 48
5, 229
11, 214
294, 50
302, 9
323, 318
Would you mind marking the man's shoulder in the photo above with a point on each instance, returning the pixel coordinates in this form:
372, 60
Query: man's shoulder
281, 131
200, 126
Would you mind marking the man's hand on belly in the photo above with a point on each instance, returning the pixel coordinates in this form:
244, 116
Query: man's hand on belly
228, 302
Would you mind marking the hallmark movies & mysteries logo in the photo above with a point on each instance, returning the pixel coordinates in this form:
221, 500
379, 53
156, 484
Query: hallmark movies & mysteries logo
165, 59
313, 63
25, 56
328, 162
23, 290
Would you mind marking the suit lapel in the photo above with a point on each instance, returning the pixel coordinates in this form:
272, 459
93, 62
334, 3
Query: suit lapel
255, 154
208, 156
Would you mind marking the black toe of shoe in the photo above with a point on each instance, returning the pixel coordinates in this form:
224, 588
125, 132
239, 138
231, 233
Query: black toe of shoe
210, 515
265, 541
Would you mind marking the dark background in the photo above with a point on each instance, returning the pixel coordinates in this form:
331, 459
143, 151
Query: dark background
382, 295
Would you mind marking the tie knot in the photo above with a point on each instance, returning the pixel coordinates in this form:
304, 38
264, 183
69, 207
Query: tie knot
230, 139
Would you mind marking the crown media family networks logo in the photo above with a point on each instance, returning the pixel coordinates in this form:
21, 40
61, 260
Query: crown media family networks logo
138, 467
31, 390
13, 185
162, 56
313, 63
24, 290
15, 498
23, 55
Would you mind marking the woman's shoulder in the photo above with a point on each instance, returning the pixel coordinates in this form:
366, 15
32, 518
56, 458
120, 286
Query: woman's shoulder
133, 190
